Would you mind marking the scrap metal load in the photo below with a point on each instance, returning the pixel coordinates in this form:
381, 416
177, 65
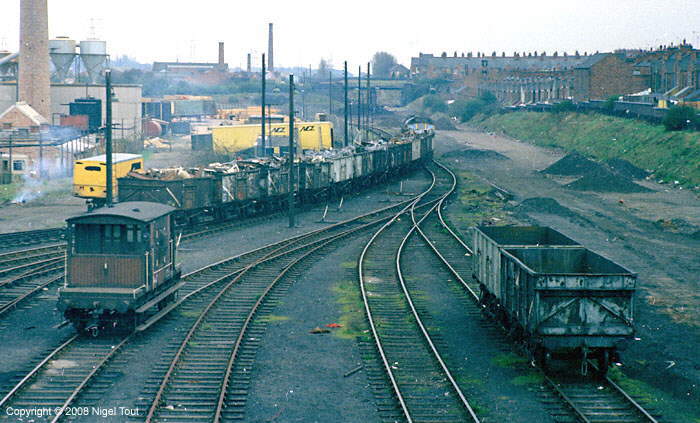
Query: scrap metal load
246, 187
553, 294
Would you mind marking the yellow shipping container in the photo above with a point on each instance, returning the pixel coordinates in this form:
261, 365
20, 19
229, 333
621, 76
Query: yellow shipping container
90, 174
244, 138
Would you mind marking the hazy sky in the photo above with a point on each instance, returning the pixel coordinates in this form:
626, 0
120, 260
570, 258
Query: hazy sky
306, 31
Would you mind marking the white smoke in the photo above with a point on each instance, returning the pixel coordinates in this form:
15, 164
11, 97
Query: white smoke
35, 185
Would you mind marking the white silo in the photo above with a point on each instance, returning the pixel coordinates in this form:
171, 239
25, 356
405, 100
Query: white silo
62, 51
93, 53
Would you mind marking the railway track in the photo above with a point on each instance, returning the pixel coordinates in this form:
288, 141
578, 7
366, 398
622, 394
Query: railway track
26, 272
218, 351
421, 382
24, 238
591, 399
77, 365
585, 399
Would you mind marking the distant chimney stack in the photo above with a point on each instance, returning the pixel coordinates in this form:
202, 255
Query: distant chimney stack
248, 67
270, 61
221, 54
34, 73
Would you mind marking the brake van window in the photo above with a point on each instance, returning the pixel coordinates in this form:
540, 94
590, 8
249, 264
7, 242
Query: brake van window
93, 168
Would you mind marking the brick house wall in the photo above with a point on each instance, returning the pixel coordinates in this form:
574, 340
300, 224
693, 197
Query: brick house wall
613, 76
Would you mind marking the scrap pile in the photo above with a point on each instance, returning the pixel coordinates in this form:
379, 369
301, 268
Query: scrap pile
156, 144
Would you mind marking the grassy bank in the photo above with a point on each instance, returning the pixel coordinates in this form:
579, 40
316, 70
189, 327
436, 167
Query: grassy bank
671, 156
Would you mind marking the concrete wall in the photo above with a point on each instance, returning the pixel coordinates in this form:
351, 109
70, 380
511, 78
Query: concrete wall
128, 108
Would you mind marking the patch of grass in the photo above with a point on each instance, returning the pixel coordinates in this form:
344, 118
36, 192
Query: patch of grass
508, 360
671, 408
353, 315
478, 202
8, 191
465, 380
479, 409
348, 264
670, 155
275, 318
189, 313
635, 388
531, 378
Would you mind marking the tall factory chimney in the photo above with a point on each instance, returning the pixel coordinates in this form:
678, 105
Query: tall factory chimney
270, 61
221, 55
34, 71
248, 65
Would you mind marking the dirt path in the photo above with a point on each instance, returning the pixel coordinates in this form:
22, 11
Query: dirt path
650, 233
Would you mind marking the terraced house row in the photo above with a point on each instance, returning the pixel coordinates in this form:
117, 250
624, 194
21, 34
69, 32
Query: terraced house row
667, 73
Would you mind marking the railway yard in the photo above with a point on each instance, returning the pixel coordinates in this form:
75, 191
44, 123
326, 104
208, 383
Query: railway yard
365, 311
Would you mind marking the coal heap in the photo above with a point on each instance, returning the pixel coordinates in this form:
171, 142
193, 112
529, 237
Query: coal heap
625, 168
574, 164
606, 181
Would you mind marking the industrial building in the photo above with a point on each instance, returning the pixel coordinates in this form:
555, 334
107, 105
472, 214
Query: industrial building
205, 73
75, 71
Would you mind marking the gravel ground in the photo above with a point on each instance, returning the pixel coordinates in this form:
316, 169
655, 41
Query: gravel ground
298, 376
624, 228
27, 332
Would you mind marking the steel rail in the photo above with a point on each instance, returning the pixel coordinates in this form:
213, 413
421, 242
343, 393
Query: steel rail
244, 328
7, 307
87, 379
432, 246
414, 311
631, 400
36, 369
380, 348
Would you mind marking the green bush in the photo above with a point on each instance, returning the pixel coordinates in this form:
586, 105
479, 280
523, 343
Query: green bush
681, 117
610, 103
563, 107
434, 103
465, 110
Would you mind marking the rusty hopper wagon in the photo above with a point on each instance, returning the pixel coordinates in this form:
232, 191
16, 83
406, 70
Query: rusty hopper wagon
120, 265
558, 297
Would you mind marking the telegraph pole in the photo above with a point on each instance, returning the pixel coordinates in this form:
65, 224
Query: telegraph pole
369, 103
330, 93
262, 109
290, 194
359, 101
345, 121
108, 136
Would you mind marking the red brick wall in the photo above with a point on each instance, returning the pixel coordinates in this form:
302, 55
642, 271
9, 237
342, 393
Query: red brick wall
614, 76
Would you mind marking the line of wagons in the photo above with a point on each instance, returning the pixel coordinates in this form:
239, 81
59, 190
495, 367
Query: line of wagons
121, 260
559, 298
216, 195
